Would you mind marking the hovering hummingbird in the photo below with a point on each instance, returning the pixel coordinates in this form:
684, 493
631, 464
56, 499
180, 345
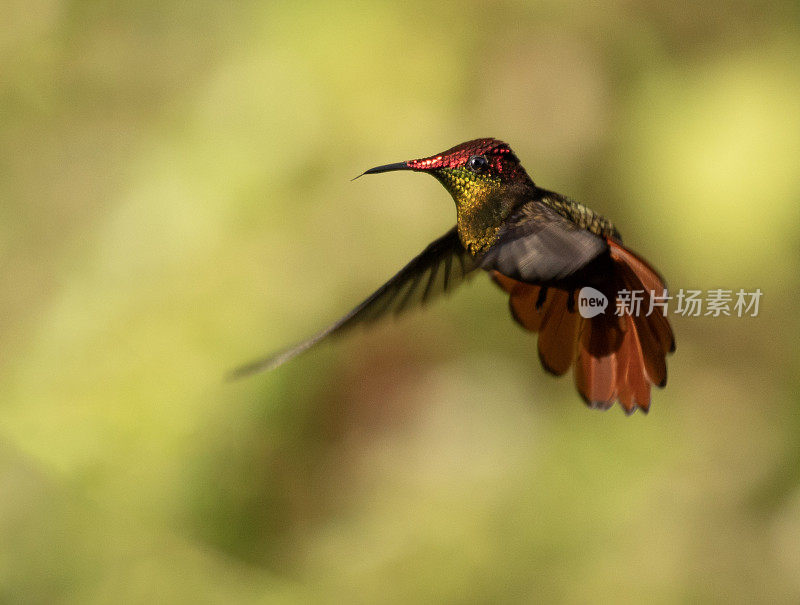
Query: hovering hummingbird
541, 248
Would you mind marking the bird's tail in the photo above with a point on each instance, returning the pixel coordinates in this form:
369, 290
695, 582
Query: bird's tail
616, 357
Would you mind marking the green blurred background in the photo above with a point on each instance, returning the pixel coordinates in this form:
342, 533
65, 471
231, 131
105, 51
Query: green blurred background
176, 199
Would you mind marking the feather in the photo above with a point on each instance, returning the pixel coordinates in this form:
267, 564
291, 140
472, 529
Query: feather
537, 244
615, 357
439, 268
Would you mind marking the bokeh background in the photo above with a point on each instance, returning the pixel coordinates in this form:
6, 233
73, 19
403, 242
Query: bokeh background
176, 199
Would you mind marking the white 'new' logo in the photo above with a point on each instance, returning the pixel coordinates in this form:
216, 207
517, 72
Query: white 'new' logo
591, 302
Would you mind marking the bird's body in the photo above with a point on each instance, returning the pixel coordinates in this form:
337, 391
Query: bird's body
541, 248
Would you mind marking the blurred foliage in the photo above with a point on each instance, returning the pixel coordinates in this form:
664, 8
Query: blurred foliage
176, 200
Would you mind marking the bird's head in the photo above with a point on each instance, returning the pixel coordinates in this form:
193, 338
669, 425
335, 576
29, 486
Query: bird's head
476, 173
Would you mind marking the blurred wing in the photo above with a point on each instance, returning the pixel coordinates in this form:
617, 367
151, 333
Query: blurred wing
538, 245
440, 267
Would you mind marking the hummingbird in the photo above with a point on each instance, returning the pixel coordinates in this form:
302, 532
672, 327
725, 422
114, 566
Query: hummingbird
540, 248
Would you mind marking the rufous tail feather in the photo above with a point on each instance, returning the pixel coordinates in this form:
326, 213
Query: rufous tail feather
615, 357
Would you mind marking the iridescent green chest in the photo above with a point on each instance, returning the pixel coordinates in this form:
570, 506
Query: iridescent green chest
478, 208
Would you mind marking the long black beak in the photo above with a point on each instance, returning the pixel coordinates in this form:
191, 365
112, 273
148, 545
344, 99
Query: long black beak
386, 168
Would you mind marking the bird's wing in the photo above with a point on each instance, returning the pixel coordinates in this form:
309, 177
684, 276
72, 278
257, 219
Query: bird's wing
440, 267
539, 245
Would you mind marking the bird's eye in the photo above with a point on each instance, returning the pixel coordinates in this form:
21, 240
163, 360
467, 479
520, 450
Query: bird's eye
478, 163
